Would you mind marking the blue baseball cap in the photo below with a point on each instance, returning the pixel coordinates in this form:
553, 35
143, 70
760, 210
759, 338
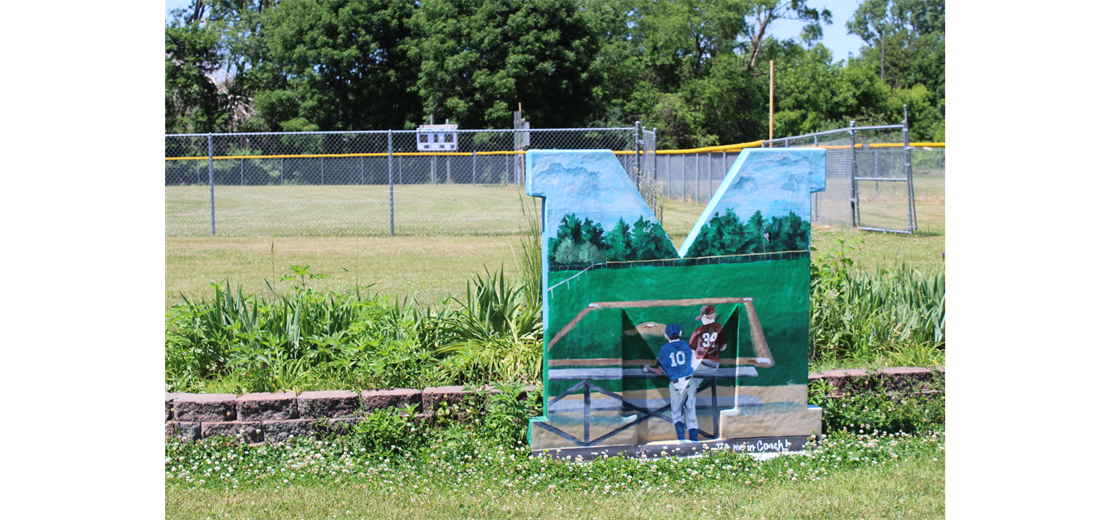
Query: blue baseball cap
674, 330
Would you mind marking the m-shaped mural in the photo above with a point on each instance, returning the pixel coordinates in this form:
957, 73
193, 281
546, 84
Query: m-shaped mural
645, 344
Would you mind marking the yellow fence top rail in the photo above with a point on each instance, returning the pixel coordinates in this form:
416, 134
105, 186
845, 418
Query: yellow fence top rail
704, 149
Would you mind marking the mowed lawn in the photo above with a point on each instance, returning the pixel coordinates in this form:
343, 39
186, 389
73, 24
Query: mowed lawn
418, 263
911, 489
421, 209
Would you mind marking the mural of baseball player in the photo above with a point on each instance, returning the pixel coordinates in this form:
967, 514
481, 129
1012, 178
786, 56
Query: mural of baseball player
676, 361
707, 340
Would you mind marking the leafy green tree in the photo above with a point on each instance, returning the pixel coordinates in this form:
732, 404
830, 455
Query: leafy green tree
342, 65
619, 241
719, 236
813, 93
649, 242
478, 60
762, 13
789, 233
755, 241
905, 42
577, 242
193, 101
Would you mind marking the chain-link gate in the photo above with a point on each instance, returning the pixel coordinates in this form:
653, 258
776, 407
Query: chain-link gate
367, 183
868, 177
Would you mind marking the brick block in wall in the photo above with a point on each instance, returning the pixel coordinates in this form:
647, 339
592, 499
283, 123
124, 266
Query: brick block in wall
282, 431
247, 431
204, 407
170, 396
893, 379
267, 406
909, 379
395, 398
454, 396
342, 425
330, 403
189, 431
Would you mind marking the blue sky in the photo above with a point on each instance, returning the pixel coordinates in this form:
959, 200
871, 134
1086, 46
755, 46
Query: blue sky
836, 36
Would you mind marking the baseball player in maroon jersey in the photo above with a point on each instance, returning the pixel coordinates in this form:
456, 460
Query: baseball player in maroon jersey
707, 340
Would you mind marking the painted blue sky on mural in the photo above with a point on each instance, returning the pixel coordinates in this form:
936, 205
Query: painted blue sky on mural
773, 182
588, 183
593, 184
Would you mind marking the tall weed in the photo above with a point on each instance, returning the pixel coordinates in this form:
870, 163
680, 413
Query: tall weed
530, 260
889, 316
496, 334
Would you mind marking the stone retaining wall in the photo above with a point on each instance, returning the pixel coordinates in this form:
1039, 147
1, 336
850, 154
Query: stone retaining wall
275, 417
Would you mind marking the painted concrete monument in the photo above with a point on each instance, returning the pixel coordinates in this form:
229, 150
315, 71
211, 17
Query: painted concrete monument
649, 345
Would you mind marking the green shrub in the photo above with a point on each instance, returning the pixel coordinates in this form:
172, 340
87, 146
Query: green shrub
389, 430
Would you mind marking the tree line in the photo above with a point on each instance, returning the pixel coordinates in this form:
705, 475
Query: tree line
728, 235
698, 70
579, 242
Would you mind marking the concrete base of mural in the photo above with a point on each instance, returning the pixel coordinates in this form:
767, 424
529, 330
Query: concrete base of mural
601, 428
771, 420
768, 420
762, 412
754, 445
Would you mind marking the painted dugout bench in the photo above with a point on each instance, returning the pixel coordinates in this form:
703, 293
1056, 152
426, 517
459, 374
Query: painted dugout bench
735, 296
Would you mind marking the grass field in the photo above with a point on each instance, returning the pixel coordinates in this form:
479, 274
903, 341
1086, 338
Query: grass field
434, 267
911, 489
420, 209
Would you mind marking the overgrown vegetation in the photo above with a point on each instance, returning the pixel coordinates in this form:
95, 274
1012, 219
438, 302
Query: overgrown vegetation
305, 339
893, 317
299, 338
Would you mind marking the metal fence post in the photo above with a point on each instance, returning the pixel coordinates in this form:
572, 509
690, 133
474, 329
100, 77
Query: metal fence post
683, 177
473, 168
242, 181
211, 187
912, 209
321, 171
362, 169
507, 169
636, 151
281, 171
854, 200
816, 195
654, 153
697, 178
389, 138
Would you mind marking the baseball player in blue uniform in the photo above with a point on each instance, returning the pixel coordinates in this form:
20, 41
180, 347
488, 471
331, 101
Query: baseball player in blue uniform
676, 360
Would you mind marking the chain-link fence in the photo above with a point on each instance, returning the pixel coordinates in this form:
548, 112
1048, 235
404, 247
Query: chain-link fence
695, 176
868, 184
367, 183
872, 176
